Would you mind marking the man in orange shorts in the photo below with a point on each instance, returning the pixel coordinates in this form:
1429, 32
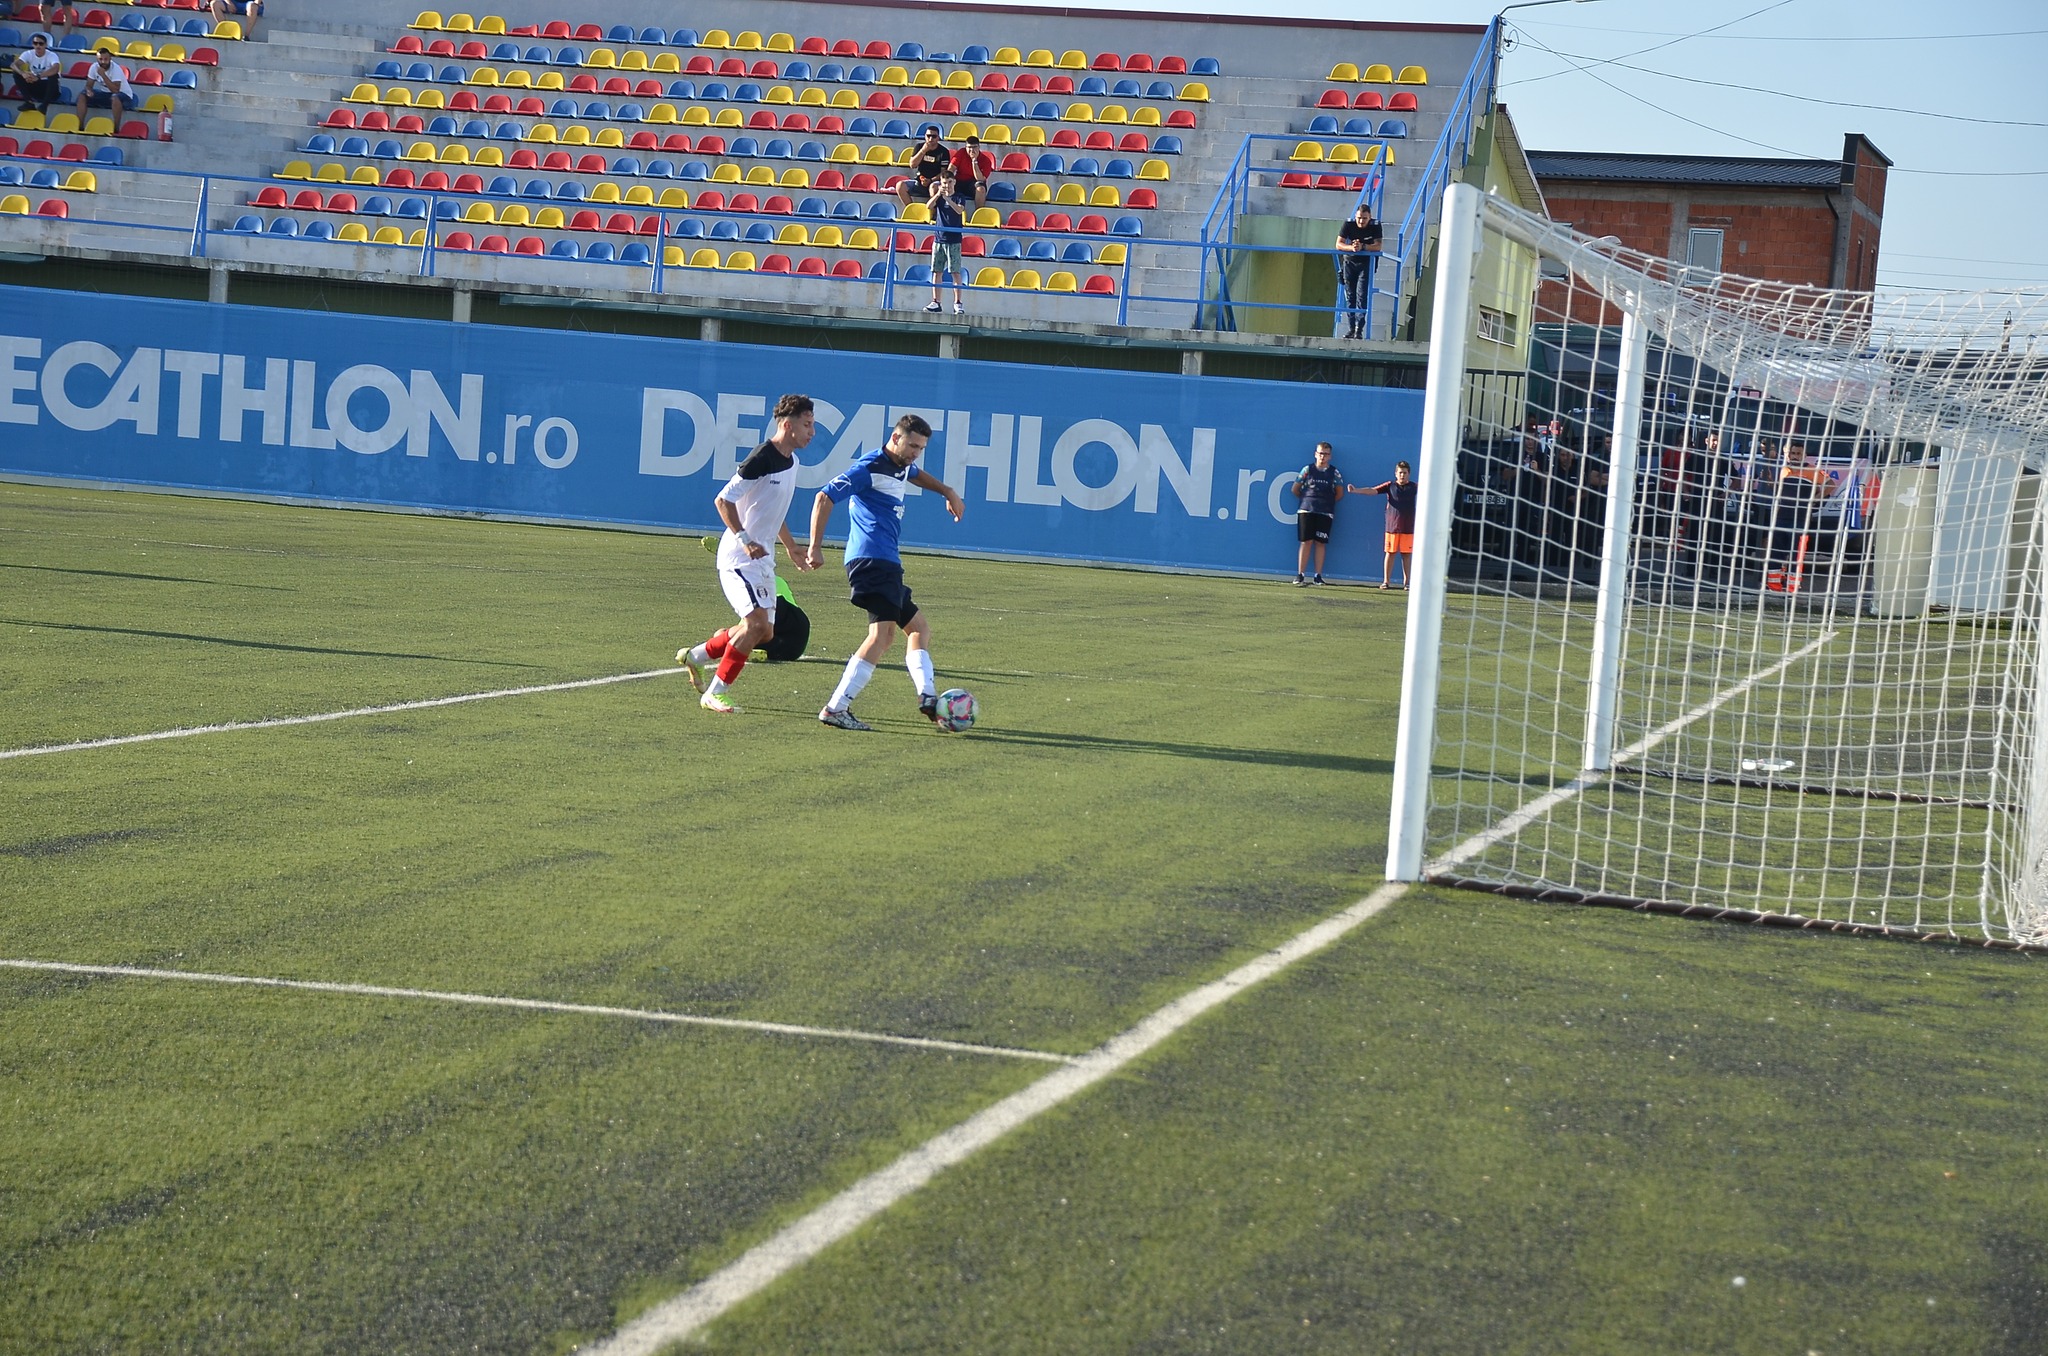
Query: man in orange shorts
1400, 493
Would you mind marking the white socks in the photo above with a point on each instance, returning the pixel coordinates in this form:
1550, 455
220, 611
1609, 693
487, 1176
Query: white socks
919, 662
858, 671
699, 655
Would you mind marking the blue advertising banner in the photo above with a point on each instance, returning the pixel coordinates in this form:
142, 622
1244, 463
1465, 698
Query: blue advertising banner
1106, 466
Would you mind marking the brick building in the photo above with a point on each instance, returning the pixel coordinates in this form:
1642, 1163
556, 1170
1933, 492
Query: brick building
1810, 222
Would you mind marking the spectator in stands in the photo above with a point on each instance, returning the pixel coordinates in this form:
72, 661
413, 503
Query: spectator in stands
949, 213
249, 10
106, 86
1802, 487
36, 71
932, 160
972, 166
1358, 245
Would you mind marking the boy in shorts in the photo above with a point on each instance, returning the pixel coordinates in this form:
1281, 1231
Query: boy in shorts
1400, 493
949, 215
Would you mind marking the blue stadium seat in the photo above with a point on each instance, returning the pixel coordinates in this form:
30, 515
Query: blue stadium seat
897, 128
936, 57
285, 226
505, 51
689, 228
626, 166
45, 178
387, 149
1161, 89
1046, 110
683, 37
1041, 250
387, 70
476, 127
564, 249
1127, 89
796, 70
1077, 252
412, 209
1013, 108
537, 188
447, 209
682, 89
846, 209
1092, 85
191, 28
812, 207
655, 37
744, 146
1087, 165
183, 80
1356, 127
1127, 226
1002, 190
974, 54
247, 224
320, 230
660, 169
981, 108
601, 250
630, 113
419, 70
1049, 163
571, 191
442, 126
1006, 248
376, 205
132, 22
322, 144
882, 211
503, 186
108, 155
74, 42
162, 24
1119, 169
10, 176
1393, 127
878, 271
861, 75
453, 75
832, 73
1322, 125
694, 170
356, 146
747, 93
760, 233
862, 127
598, 110
543, 56
779, 149
715, 92
568, 56
1166, 145
562, 108
619, 33
909, 51
635, 253
724, 230
508, 131
917, 273
1205, 66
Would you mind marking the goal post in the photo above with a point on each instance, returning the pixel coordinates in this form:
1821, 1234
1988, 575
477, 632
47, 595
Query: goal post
1740, 607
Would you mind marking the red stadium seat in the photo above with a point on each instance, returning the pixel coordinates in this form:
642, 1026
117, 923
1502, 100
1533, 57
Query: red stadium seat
558, 161
434, 181
473, 51
1134, 141
776, 263
376, 120
1028, 83
530, 244
779, 206
882, 101
699, 65
585, 220
1099, 285
1023, 219
268, 197
308, 200
846, 268
340, 117
1099, 140
1370, 99
644, 141
946, 106
710, 200
589, 33
846, 47
592, 163
98, 18
441, 47
830, 181
1142, 199
1403, 102
409, 122
1015, 162
1138, 61
877, 50
1057, 221
465, 183
863, 183
911, 103
203, 56
763, 120
1107, 61
1059, 84
1296, 180
814, 47
459, 240
401, 178
1092, 225
621, 223
649, 225
1334, 98
765, 70
72, 150
648, 89
1180, 118
1065, 139
745, 202
1336, 182
906, 243
617, 86
973, 247
530, 106
149, 75
554, 28
810, 266
409, 45
1173, 65
832, 123
462, 101
342, 202
711, 145
39, 150
495, 244
583, 84
54, 207
137, 130
9, 146
796, 122
733, 68
995, 80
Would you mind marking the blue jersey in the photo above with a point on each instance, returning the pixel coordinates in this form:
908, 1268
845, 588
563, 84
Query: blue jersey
876, 486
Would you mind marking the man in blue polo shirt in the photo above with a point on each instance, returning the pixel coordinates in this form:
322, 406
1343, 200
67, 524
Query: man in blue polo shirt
876, 484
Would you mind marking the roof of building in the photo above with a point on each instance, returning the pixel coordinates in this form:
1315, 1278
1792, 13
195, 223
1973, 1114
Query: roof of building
1734, 171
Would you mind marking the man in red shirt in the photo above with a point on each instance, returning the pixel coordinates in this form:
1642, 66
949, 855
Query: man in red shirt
972, 166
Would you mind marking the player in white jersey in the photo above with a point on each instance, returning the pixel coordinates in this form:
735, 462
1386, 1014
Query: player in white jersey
754, 506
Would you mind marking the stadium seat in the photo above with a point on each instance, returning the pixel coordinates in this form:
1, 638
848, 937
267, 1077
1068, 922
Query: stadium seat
1378, 74
1412, 75
1404, 102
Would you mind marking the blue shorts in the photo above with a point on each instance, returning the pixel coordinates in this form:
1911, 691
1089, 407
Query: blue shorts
877, 585
102, 99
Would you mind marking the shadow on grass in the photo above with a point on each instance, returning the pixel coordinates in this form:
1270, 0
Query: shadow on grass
1080, 743
263, 644
154, 578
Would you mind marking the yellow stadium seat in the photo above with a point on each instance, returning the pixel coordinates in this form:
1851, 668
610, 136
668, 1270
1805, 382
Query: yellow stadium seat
635, 60
761, 175
1154, 169
845, 98
1112, 254
1105, 195
828, 238
1113, 113
398, 95
331, 174
1079, 113
960, 80
354, 232
518, 79
1378, 74
1343, 153
1006, 56
1062, 282
1070, 195
67, 123
549, 219
14, 205
491, 24
917, 214
990, 276
1073, 61
170, 51
672, 256
864, 238
1034, 194
1307, 151
549, 80
228, 30
927, 78
739, 261
985, 218
366, 175
430, 98
1344, 70
995, 134
793, 234
693, 116
107, 44
674, 197
485, 75
428, 19
82, 181
606, 192
667, 63
1194, 92
962, 130
1412, 75
1372, 155
663, 113
704, 259
781, 42
141, 49
293, 169
794, 178
846, 153
460, 23
608, 136
158, 103
1039, 57
489, 155
480, 211
779, 94
894, 75
715, 38
640, 195
908, 154
603, 58
455, 154
812, 96
748, 41
515, 214
1145, 117
725, 174
361, 94
1026, 280
1031, 136
417, 237
729, 117
576, 134
879, 155
544, 132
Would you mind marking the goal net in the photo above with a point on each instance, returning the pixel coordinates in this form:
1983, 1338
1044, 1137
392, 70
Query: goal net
1727, 593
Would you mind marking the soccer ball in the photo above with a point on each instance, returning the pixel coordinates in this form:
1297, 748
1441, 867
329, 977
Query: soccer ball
957, 709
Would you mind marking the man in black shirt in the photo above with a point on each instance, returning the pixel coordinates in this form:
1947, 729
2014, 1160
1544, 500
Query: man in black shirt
1319, 486
931, 161
1358, 246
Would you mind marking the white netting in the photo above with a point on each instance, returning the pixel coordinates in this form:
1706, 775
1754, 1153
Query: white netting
1823, 583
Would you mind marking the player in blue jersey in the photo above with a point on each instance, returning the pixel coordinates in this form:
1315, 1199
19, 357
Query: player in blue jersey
876, 483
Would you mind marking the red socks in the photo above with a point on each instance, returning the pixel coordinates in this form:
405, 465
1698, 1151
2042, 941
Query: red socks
715, 647
730, 666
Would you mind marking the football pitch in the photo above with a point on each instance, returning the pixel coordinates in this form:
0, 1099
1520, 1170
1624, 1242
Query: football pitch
577, 995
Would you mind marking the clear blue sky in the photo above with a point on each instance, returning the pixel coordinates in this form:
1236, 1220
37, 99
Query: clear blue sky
1968, 202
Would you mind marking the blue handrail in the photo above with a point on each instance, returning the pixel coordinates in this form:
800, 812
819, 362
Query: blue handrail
1475, 100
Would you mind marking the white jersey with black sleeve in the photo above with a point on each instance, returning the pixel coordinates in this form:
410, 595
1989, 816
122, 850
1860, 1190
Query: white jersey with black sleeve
761, 491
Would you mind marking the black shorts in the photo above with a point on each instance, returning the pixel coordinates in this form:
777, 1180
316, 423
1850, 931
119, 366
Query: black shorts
1313, 526
877, 585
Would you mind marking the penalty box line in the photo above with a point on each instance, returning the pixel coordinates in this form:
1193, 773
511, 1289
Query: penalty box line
542, 1005
279, 722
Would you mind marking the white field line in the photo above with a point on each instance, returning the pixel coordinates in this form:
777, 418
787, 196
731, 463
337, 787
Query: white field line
542, 1005
317, 718
1550, 800
796, 1244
